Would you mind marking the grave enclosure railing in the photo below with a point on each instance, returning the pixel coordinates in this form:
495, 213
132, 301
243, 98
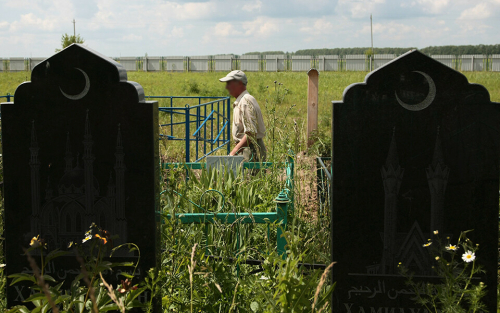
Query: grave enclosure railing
212, 129
323, 180
269, 63
284, 205
203, 124
8, 97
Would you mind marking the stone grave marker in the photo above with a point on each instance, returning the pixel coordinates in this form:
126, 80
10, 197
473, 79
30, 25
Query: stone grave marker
80, 145
225, 162
416, 149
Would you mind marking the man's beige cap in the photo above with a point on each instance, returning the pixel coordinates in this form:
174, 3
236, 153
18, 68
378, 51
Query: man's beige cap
235, 75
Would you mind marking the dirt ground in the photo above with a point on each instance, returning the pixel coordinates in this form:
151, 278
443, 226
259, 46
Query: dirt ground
306, 186
305, 180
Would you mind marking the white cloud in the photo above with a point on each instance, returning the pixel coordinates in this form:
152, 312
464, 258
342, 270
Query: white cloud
177, 32
254, 6
320, 26
358, 9
31, 21
433, 6
185, 27
225, 29
16, 4
187, 11
479, 12
132, 37
261, 26
477, 19
391, 30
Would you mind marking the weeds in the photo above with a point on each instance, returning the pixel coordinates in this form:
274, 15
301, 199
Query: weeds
455, 265
188, 279
198, 282
96, 295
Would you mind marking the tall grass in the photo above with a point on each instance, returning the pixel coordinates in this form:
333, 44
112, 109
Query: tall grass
331, 87
229, 284
331, 84
190, 281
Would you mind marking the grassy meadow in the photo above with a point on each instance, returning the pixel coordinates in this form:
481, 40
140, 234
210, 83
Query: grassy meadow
331, 86
188, 280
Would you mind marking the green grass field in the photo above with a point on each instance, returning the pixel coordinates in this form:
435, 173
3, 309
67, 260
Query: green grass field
261, 85
187, 280
332, 84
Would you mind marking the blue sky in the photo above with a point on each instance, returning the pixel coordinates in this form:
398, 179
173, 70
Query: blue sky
207, 27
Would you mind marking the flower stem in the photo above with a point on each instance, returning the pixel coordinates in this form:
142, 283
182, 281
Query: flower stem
468, 281
41, 258
93, 277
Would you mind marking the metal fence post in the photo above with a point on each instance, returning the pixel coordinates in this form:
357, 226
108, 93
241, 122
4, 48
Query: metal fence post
197, 124
282, 202
188, 143
290, 179
319, 181
229, 124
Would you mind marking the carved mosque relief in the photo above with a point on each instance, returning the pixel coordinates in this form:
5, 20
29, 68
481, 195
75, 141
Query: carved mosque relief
439, 171
80, 146
407, 248
77, 200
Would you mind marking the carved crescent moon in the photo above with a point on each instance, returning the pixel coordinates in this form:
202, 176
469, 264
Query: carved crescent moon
84, 91
427, 101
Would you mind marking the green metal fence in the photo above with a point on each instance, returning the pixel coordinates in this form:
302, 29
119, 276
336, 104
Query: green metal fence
284, 204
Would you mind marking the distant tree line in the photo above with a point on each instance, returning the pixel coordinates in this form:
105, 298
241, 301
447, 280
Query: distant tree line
265, 53
459, 50
442, 50
350, 51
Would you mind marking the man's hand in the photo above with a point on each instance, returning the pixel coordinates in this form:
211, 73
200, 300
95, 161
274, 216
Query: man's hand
241, 144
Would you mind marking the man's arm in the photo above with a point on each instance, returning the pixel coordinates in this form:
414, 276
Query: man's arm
243, 143
249, 121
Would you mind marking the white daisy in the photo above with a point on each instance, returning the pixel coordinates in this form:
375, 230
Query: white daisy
87, 238
468, 256
427, 244
451, 248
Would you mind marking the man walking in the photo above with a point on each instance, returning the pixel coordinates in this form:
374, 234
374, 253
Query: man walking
248, 124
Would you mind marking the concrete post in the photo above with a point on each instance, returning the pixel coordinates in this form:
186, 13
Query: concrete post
312, 104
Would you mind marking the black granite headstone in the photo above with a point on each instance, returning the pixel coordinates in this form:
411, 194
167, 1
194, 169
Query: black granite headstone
80, 145
415, 149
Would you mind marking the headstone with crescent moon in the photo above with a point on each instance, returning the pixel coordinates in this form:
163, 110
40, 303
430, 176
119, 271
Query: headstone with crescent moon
80, 146
415, 150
